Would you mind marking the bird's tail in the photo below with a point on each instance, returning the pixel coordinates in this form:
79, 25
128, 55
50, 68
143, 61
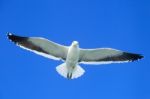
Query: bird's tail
63, 71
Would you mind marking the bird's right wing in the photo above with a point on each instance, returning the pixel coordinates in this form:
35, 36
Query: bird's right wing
40, 46
106, 56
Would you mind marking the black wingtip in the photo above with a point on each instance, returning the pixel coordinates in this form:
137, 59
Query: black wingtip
15, 38
9, 35
133, 57
141, 56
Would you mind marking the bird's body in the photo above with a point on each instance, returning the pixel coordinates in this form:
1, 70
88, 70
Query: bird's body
72, 55
72, 58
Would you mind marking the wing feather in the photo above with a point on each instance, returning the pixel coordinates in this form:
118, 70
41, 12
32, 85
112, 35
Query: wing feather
40, 46
106, 56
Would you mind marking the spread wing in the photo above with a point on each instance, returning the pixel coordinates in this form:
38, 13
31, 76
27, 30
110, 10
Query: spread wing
40, 46
106, 56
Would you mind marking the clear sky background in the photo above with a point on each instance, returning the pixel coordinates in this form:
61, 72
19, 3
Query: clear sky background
120, 24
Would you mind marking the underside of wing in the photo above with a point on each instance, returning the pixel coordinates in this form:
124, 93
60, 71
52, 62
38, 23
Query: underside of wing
40, 46
106, 56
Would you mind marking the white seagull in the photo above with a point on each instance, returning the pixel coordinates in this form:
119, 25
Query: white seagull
72, 55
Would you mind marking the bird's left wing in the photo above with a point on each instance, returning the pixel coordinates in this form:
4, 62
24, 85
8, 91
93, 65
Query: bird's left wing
106, 56
40, 46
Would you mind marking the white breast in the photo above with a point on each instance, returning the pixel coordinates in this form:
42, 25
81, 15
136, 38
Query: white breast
73, 55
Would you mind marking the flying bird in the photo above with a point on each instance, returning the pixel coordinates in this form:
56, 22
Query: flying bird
72, 55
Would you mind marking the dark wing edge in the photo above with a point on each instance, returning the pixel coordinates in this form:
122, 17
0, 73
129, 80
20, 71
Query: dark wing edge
19, 40
125, 56
24, 43
119, 57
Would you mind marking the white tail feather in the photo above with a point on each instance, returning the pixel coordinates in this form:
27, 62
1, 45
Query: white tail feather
63, 71
77, 72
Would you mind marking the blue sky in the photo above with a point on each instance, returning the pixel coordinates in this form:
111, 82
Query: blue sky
120, 24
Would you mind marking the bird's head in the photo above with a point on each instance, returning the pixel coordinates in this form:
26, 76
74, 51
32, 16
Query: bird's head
75, 43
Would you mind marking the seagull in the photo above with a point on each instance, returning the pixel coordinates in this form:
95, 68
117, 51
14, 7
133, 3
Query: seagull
72, 55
